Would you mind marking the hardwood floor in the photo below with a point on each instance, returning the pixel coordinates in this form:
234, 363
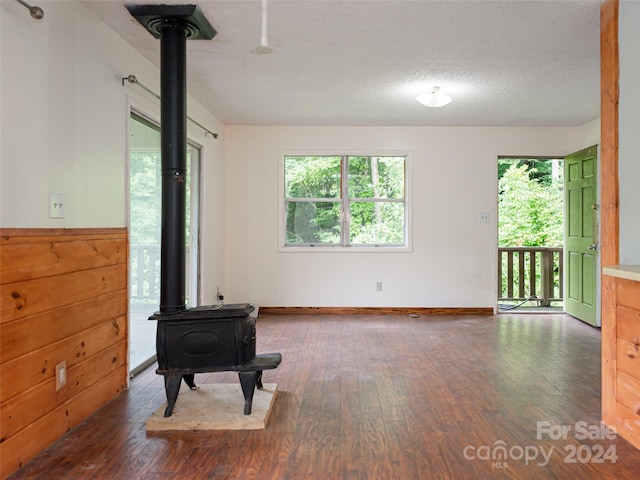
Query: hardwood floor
379, 397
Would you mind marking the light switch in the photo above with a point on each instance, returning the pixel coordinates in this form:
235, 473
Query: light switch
56, 205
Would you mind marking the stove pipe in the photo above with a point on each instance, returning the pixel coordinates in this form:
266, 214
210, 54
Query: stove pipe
173, 24
174, 166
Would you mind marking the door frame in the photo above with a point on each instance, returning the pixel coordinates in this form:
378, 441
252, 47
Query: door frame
150, 111
496, 233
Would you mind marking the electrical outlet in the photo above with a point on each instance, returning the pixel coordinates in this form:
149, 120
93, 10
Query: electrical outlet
378, 286
220, 296
485, 217
61, 375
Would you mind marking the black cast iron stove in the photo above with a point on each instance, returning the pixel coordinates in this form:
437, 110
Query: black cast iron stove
209, 338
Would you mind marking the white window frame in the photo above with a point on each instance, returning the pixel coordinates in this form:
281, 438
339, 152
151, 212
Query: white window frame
283, 247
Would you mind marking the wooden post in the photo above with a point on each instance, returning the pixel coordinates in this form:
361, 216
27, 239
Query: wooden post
532, 273
609, 218
499, 273
510, 274
545, 267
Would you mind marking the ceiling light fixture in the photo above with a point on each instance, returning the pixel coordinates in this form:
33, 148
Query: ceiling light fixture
433, 98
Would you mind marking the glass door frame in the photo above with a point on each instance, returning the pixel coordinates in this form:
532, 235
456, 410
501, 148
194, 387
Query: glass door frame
193, 244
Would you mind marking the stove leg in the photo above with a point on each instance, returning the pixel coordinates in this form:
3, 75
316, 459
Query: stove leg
259, 380
248, 382
172, 387
188, 379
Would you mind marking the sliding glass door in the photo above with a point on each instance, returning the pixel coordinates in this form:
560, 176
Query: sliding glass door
145, 190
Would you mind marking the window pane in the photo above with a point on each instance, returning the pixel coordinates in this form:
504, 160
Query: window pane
145, 190
313, 222
192, 224
376, 177
377, 223
312, 177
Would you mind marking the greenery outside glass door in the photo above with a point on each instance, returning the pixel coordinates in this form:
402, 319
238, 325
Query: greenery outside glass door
581, 234
145, 195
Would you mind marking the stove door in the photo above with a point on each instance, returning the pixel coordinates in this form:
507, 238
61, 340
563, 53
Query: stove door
197, 344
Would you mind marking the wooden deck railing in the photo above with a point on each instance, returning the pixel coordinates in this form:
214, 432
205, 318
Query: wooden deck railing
145, 273
530, 273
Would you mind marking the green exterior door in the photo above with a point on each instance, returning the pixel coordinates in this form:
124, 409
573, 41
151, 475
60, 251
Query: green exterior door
581, 235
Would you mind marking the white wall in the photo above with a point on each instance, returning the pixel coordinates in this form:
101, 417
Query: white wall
64, 126
63, 129
589, 134
454, 179
629, 133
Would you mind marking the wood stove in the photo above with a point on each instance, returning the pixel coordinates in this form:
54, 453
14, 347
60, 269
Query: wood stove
211, 338
208, 338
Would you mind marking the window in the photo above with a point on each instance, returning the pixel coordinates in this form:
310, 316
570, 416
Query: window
345, 201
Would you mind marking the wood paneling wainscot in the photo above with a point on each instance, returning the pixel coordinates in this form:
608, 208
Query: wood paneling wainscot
63, 297
623, 341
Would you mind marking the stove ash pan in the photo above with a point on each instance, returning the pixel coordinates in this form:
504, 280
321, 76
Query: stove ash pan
210, 338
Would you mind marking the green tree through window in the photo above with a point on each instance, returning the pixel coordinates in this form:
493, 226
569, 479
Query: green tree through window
345, 200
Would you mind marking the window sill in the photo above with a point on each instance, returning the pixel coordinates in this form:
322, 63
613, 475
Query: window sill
337, 249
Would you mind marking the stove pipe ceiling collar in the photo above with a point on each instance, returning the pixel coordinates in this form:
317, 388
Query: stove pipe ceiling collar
189, 17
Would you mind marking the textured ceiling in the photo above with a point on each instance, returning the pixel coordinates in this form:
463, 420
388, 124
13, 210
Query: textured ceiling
504, 62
